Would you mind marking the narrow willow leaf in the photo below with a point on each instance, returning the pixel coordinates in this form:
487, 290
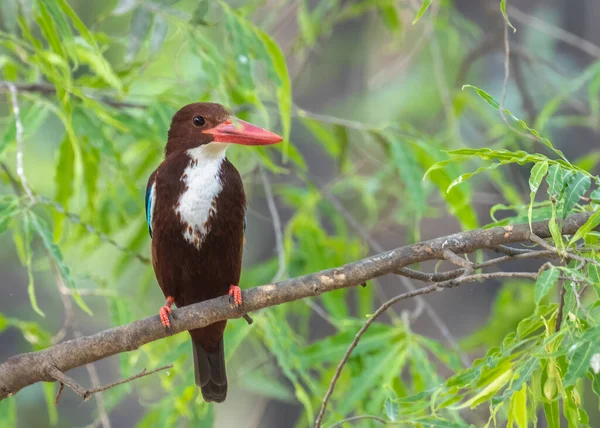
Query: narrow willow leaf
159, 33
552, 413
464, 177
50, 28
65, 172
284, 89
199, 15
579, 362
556, 230
49, 396
91, 53
555, 180
8, 412
422, 10
391, 409
538, 172
518, 408
390, 17
576, 188
7, 213
29, 264
505, 15
589, 226
495, 384
141, 22
496, 105
544, 283
523, 373
44, 232
59, 17
305, 22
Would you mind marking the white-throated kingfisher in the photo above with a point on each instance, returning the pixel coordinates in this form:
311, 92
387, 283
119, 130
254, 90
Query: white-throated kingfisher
195, 208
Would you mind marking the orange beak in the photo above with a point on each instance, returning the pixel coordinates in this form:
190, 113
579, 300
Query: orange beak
237, 131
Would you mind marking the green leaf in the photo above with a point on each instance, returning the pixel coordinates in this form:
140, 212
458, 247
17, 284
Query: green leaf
555, 180
523, 373
464, 177
422, 10
556, 230
53, 250
28, 261
59, 17
7, 213
390, 17
505, 15
496, 105
8, 412
284, 89
199, 15
545, 282
65, 172
576, 188
538, 172
518, 408
579, 362
552, 413
590, 225
159, 34
141, 22
49, 396
391, 408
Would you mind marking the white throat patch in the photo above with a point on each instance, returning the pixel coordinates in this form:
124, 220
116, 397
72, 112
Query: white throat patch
203, 184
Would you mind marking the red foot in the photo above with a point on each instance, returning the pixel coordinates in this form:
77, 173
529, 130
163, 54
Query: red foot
165, 312
235, 295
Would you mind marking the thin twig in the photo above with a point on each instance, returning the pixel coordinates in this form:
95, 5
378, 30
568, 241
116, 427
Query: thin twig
19, 137
444, 276
61, 377
276, 226
48, 89
566, 254
511, 251
558, 33
421, 291
526, 98
143, 373
433, 315
358, 418
59, 393
506, 73
561, 305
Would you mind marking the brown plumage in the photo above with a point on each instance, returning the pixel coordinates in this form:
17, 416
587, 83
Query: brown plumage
196, 262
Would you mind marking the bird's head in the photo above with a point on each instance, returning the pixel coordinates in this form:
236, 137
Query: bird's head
199, 124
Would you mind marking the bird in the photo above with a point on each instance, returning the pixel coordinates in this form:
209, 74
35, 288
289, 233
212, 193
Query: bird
196, 215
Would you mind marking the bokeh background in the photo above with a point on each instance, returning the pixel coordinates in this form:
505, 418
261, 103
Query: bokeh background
373, 101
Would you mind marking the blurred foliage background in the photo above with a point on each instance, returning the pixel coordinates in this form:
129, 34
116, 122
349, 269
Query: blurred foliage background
369, 96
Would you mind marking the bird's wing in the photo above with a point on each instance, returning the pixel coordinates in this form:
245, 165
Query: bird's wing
150, 200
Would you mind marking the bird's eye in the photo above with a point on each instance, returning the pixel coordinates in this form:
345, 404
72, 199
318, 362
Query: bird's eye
198, 121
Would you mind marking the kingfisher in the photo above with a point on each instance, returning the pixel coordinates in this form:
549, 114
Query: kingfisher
195, 209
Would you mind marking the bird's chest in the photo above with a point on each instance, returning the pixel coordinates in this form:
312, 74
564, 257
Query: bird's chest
196, 207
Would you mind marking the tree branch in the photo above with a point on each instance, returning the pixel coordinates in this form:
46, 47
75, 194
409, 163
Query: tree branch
26, 369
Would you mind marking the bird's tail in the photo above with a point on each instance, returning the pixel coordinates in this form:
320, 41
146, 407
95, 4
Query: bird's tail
209, 370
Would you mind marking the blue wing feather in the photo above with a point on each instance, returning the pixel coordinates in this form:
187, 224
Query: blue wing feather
149, 194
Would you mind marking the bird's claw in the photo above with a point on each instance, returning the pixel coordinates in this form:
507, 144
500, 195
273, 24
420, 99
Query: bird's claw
235, 295
166, 313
